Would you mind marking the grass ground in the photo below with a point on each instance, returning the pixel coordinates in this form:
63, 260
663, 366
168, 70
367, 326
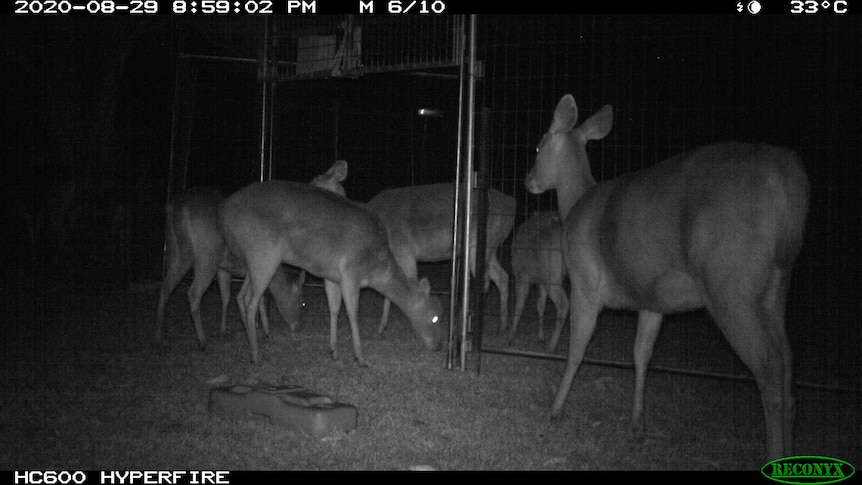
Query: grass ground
84, 388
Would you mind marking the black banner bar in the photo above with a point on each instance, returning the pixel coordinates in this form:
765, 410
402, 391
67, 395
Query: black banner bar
216, 8
213, 477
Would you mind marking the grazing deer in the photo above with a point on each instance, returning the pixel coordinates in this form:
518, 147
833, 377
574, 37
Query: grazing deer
419, 221
193, 240
537, 259
716, 227
274, 222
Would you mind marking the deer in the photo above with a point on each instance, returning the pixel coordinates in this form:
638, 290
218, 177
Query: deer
341, 241
419, 221
717, 227
193, 239
537, 259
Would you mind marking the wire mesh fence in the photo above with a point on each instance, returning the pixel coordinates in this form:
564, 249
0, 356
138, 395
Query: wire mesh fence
382, 93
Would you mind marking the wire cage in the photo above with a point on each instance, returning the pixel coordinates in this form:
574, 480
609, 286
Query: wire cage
384, 94
330, 75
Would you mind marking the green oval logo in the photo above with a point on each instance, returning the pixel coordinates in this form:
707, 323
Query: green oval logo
797, 470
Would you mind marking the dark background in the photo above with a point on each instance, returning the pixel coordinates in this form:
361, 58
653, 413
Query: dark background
89, 100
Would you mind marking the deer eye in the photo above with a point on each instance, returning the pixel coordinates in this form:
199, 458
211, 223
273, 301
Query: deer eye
542, 143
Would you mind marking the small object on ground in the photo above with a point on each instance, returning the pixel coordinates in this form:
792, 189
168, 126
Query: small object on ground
217, 380
286, 405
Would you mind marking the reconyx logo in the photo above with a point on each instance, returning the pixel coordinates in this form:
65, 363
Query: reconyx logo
797, 470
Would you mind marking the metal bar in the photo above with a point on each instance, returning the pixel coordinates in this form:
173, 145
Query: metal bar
468, 192
171, 158
220, 58
660, 368
481, 233
336, 111
174, 124
272, 131
180, 130
432, 75
406, 68
453, 284
265, 127
248, 60
187, 127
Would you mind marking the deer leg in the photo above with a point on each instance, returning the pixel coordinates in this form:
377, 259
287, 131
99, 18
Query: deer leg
258, 277
561, 303
264, 315
203, 278
541, 301
249, 307
494, 272
240, 301
501, 280
177, 267
649, 324
223, 280
333, 297
760, 344
775, 306
522, 290
384, 318
350, 294
582, 320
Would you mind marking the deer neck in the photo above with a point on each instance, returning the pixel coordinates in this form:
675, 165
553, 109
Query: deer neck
400, 289
574, 181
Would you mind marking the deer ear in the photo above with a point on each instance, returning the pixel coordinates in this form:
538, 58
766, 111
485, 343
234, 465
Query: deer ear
598, 125
565, 116
338, 170
425, 286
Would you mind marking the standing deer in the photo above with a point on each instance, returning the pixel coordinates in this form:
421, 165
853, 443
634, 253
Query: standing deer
419, 221
274, 222
716, 227
193, 239
537, 259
